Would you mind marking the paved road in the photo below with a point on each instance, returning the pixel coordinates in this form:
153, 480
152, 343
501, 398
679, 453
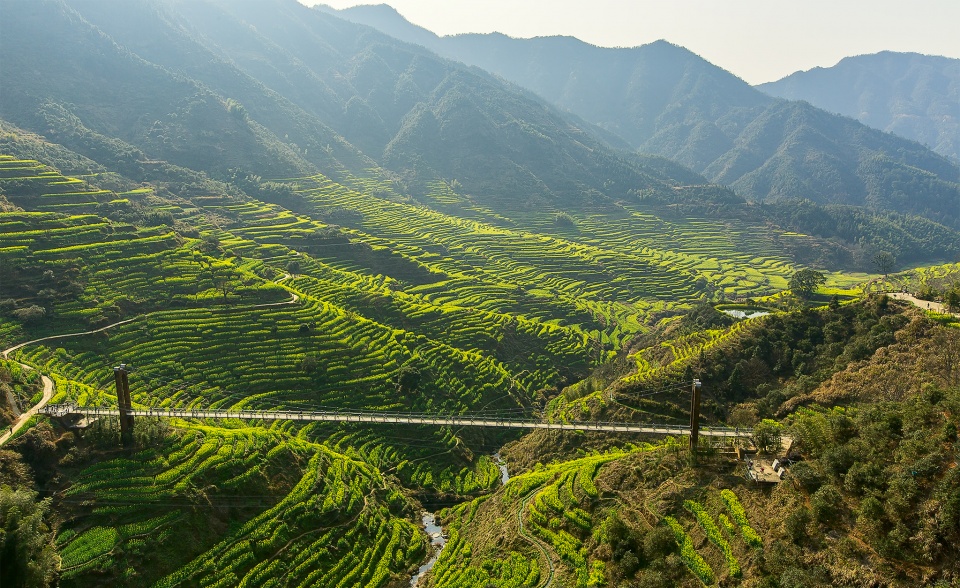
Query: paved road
925, 304
7, 352
47, 395
47, 382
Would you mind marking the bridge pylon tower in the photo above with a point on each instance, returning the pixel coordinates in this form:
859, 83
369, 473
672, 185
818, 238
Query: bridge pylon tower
124, 403
695, 417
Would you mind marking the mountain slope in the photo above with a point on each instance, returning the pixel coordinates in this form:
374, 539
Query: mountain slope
908, 94
117, 94
665, 100
420, 116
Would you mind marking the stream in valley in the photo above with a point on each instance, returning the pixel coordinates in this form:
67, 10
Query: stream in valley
435, 531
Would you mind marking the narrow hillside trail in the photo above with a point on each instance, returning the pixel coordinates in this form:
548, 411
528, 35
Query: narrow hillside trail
294, 297
48, 383
529, 538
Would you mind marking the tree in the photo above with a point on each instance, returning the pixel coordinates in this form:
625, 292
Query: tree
30, 313
309, 363
408, 378
766, 435
210, 244
884, 262
952, 299
805, 282
27, 553
149, 432
293, 267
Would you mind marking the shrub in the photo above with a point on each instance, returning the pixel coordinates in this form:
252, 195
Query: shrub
30, 313
562, 219
826, 503
809, 478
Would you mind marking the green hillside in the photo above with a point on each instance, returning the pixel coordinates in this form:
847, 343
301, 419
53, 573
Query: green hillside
401, 308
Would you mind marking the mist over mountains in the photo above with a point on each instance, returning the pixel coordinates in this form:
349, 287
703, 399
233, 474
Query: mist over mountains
665, 100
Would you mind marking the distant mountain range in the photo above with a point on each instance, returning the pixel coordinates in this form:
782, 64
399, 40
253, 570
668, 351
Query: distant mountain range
243, 92
663, 99
908, 94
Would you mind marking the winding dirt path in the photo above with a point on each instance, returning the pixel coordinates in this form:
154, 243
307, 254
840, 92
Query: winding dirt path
294, 297
529, 538
47, 382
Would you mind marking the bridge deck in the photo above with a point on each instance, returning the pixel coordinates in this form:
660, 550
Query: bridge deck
403, 419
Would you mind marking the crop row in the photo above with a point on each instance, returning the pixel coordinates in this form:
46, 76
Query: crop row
462, 249
259, 359
334, 527
713, 534
559, 512
688, 553
329, 530
740, 516
457, 565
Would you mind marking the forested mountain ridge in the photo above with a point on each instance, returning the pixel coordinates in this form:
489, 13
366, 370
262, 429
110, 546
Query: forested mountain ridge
299, 86
912, 95
203, 89
663, 99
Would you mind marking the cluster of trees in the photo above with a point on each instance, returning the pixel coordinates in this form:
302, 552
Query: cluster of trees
863, 234
790, 354
883, 472
28, 291
28, 556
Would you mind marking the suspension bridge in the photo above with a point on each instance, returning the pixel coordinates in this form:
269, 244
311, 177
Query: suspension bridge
126, 412
398, 418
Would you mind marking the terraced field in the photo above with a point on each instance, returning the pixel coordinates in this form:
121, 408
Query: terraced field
935, 276
617, 266
337, 521
364, 298
45, 189
558, 504
657, 388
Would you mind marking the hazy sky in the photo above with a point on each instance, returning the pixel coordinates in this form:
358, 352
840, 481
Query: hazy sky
759, 40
